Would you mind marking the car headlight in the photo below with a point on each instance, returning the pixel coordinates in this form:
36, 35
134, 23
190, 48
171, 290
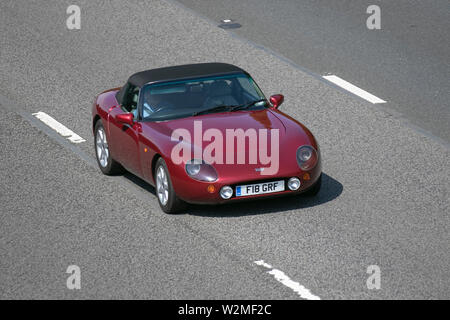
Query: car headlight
307, 157
294, 183
193, 167
226, 192
200, 170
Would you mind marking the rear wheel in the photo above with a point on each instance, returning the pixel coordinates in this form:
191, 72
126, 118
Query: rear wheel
167, 199
314, 189
104, 159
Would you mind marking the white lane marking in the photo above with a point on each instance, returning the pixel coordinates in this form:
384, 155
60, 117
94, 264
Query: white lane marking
58, 127
353, 89
281, 277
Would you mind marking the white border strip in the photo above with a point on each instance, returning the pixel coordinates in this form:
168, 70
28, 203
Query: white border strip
58, 127
281, 277
353, 89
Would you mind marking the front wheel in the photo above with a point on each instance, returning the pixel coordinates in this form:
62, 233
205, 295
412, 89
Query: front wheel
104, 159
167, 199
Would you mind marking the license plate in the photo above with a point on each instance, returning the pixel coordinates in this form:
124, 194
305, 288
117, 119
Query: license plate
259, 188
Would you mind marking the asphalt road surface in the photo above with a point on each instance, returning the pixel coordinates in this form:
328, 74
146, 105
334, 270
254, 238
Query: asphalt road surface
385, 198
406, 62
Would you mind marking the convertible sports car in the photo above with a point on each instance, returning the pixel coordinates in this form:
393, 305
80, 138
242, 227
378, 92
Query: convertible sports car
204, 133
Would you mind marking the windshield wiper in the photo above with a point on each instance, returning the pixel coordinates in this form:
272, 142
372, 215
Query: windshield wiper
216, 108
228, 107
246, 105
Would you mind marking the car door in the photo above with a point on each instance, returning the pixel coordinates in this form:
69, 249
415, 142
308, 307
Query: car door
124, 137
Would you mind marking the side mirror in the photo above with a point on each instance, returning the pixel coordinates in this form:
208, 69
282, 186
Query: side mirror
125, 118
276, 100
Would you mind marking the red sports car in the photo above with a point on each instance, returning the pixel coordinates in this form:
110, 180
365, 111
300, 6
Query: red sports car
204, 133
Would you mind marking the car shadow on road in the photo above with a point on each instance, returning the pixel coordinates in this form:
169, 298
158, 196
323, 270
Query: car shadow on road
140, 183
331, 189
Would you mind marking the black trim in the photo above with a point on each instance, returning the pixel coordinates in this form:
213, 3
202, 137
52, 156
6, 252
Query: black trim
186, 71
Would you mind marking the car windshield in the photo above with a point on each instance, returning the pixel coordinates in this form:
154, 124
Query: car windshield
186, 98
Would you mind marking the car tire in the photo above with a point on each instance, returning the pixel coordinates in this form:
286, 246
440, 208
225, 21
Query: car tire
167, 198
314, 189
103, 155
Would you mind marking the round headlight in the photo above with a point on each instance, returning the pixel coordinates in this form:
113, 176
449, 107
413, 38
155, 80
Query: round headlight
199, 170
226, 192
306, 157
305, 154
193, 167
294, 183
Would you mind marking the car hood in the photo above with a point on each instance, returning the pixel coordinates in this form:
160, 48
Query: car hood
291, 134
258, 119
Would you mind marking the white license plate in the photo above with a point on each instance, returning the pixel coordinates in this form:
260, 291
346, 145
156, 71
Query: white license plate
259, 188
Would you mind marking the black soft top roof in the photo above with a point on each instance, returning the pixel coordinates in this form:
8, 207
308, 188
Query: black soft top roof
182, 72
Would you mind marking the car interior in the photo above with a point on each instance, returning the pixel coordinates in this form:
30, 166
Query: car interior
200, 95
195, 95
130, 100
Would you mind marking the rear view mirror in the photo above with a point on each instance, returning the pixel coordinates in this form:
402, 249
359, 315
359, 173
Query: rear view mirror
276, 100
125, 118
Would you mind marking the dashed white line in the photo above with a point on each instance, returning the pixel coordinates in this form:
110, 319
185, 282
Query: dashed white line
58, 127
353, 89
281, 277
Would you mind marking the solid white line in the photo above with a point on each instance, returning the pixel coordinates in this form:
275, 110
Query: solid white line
58, 127
353, 89
281, 277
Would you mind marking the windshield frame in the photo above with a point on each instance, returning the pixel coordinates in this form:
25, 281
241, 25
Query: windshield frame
233, 75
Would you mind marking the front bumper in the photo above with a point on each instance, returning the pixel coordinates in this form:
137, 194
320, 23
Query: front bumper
196, 192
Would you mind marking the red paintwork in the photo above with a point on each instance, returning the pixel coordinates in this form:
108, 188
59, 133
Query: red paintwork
276, 100
125, 118
127, 144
